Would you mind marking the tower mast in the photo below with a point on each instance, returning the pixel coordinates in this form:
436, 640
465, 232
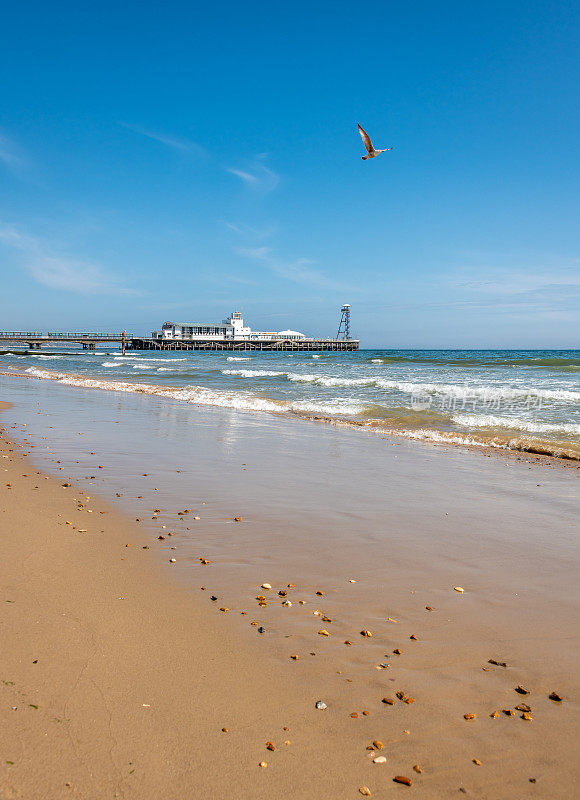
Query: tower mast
344, 323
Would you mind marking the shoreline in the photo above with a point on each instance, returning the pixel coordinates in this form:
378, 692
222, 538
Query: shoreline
214, 675
471, 442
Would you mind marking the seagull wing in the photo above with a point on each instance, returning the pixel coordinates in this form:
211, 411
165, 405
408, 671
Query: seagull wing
366, 139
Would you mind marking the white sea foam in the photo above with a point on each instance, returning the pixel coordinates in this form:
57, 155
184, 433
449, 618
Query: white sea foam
466, 392
238, 358
492, 421
329, 408
147, 359
190, 394
253, 373
376, 360
111, 364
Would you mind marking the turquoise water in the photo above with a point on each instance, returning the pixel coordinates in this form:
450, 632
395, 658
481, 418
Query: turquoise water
516, 399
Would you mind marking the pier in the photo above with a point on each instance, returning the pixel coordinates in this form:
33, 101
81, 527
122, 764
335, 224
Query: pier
260, 345
35, 339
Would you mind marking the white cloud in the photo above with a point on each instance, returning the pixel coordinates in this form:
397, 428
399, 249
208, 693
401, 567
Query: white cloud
176, 143
60, 272
256, 176
10, 156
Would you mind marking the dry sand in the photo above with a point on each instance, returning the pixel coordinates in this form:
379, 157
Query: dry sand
116, 680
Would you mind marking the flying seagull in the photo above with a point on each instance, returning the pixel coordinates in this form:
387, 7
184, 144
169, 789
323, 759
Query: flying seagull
369, 145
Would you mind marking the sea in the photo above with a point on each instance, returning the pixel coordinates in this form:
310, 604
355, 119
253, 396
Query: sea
508, 399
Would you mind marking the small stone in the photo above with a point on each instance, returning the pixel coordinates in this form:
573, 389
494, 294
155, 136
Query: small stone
417, 769
321, 705
351, 581
262, 764
366, 633
172, 560
225, 730
477, 762
413, 637
295, 658
377, 744
266, 586
287, 603
403, 780
469, 716
270, 746
508, 712
379, 760
354, 715
261, 629
237, 519
459, 589
323, 632
521, 690
320, 594
527, 716
365, 791
388, 701
523, 707
397, 652
348, 643
428, 608
497, 663
555, 697
494, 715
224, 608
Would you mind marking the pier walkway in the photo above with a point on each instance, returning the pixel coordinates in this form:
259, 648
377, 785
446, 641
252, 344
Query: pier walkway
260, 345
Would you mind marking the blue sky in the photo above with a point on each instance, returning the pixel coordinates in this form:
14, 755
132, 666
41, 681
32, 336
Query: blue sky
181, 160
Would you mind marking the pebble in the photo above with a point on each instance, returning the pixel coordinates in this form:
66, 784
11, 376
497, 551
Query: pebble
172, 560
555, 697
365, 791
477, 762
261, 629
521, 690
266, 586
321, 705
287, 603
379, 760
270, 746
403, 780
388, 701
377, 744
366, 633
459, 589
417, 769
262, 764
323, 632
469, 716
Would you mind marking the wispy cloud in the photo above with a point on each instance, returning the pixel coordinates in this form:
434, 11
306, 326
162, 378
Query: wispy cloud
257, 175
60, 272
298, 270
175, 142
10, 154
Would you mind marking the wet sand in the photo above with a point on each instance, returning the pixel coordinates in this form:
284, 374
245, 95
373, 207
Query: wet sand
406, 523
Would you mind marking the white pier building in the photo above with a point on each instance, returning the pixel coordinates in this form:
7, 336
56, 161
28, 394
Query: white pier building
231, 329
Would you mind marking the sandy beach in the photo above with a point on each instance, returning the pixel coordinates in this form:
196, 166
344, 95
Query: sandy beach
121, 671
